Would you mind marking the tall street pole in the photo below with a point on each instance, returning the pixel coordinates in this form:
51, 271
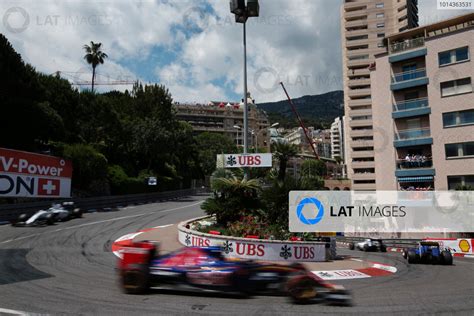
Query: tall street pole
246, 123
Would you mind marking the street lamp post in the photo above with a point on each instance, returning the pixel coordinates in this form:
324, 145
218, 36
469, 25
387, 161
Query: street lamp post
242, 12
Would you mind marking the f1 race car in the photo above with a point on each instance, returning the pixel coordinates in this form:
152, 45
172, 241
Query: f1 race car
206, 270
56, 213
428, 252
369, 244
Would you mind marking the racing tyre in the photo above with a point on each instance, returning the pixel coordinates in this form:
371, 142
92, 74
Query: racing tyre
21, 220
77, 213
366, 247
302, 289
383, 248
405, 253
49, 219
351, 246
446, 258
412, 256
136, 281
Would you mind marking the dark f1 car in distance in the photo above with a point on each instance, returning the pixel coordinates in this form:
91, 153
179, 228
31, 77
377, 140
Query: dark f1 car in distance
428, 252
206, 270
369, 244
56, 213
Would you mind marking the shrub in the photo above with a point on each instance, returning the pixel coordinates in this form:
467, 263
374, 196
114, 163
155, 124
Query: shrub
89, 168
232, 198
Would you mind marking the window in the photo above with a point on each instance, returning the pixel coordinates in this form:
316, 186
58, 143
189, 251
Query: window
380, 44
455, 182
460, 118
381, 35
459, 150
454, 87
380, 25
379, 15
453, 56
379, 5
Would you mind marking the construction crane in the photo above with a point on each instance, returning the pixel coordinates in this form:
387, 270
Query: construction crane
76, 78
293, 108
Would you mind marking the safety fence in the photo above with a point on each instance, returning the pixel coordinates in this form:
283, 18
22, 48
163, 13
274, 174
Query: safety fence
389, 242
10, 212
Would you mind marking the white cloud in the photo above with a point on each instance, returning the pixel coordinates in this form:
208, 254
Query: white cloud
297, 42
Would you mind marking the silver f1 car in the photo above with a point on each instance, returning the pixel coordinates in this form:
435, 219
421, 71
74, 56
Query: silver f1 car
56, 213
369, 244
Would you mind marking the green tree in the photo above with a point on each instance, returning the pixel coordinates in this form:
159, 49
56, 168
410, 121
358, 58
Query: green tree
209, 146
89, 169
94, 56
233, 197
283, 152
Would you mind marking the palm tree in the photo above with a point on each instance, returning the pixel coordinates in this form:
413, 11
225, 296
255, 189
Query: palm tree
283, 152
94, 56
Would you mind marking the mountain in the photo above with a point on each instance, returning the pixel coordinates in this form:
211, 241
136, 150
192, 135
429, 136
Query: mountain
315, 110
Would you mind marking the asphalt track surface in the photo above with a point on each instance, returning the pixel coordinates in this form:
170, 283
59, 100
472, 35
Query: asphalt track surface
69, 268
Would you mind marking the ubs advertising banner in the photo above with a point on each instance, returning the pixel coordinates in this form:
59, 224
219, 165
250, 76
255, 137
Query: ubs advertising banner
244, 160
24, 174
381, 211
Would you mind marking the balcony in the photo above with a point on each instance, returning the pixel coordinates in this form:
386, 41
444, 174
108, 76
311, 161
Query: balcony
413, 133
410, 108
363, 187
358, 82
359, 92
360, 112
406, 45
421, 167
360, 102
358, 62
361, 123
363, 154
362, 143
409, 79
361, 132
363, 176
413, 137
359, 72
363, 164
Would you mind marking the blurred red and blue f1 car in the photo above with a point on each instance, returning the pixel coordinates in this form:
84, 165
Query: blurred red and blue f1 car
206, 270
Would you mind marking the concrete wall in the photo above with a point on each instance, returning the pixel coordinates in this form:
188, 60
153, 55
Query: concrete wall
440, 105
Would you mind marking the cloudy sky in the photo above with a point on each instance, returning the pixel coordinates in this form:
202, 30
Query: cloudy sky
193, 47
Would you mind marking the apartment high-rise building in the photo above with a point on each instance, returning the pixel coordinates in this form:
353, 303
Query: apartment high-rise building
423, 107
337, 139
365, 24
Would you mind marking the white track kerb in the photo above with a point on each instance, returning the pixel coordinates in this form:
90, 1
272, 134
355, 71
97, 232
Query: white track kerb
257, 249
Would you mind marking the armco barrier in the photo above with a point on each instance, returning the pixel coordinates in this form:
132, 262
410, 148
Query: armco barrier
259, 249
12, 211
390, 242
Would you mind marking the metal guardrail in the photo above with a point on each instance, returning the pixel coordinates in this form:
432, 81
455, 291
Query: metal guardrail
10, 212
389, 242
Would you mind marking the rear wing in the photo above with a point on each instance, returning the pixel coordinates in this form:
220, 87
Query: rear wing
137, 254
